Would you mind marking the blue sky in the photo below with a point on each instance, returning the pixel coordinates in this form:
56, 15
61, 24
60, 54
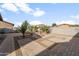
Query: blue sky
38, 13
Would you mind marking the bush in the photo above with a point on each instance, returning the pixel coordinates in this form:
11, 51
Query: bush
45, 29
54, 24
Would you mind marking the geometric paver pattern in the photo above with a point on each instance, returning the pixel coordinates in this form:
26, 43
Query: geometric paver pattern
63, 49
58, 42
37, 46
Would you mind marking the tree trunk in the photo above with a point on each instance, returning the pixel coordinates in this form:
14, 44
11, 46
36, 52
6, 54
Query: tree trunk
23, 35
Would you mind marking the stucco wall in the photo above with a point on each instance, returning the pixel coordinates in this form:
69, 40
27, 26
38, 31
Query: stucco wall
5, 25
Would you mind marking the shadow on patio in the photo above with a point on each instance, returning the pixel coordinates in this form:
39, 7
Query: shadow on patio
70, 48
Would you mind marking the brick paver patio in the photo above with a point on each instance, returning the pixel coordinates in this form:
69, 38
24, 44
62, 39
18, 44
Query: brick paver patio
63, 49
60, 43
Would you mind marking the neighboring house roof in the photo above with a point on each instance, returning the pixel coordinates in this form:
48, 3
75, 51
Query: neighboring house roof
9, 23
64, 24
1, 19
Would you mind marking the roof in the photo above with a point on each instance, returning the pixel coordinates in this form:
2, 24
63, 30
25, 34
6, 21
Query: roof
1, 19
64, 24
8, 23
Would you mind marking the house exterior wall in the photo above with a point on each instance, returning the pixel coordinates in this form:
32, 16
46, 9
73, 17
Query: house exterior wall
5, 25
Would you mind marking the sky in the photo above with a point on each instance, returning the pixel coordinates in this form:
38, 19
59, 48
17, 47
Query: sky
40, 13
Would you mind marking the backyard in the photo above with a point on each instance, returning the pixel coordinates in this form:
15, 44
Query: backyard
60, 42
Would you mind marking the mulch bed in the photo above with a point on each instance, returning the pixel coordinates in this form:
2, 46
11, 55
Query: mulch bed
28, 38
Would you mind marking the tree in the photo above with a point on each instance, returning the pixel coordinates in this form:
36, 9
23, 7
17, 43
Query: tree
45, 29
30, 28
54, 24
23, 28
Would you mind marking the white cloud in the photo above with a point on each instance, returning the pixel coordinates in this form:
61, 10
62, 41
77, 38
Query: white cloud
24, 7
75, 17
17, 24
5, 19
38, 12
8, 20
66, 22
35, 22
6, 1
27, 1
10, 7
39, 1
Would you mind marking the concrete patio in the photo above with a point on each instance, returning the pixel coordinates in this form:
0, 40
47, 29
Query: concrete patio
62, 42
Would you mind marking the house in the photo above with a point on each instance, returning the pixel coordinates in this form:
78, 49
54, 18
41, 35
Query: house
61, 26
64, 26
5, 26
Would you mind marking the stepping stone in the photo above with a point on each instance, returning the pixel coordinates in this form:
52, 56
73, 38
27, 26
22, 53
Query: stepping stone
57, 40
32, 49
45, 42
64, 31
60, 35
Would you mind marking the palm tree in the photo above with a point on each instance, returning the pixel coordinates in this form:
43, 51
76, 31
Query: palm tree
23, 28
